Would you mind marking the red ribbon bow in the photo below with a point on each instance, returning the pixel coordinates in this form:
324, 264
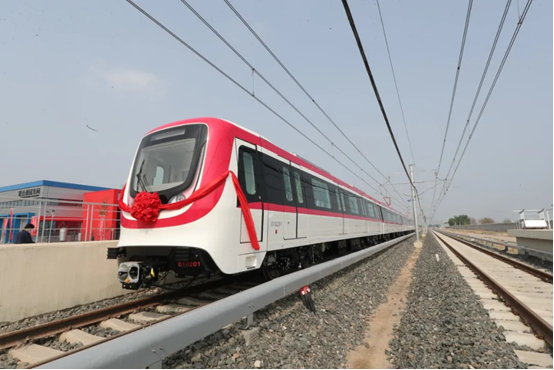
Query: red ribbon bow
147, 206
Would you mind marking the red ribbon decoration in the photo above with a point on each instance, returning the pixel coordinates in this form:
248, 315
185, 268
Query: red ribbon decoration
147, 206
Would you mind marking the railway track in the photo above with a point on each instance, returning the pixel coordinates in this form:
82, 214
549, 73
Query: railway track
120, 319
527, 293
26, 345
543, 275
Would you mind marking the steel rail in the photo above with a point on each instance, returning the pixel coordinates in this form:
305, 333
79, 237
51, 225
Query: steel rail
543, 275
542, 329
13, 338
148, 347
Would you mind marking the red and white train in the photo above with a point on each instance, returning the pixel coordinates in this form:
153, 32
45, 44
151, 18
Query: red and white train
183, 210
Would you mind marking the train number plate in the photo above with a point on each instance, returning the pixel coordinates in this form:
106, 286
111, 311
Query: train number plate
188, 264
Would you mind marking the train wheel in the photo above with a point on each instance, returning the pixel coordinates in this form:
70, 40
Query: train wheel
271, 272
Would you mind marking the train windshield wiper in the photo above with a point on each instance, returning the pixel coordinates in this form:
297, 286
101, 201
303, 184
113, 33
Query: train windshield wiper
140, 178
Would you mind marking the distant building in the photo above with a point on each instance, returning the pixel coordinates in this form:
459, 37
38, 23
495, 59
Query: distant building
59, 211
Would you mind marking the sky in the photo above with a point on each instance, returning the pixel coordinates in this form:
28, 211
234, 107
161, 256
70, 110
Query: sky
68, 64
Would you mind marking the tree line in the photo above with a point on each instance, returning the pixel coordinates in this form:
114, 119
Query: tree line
466, 220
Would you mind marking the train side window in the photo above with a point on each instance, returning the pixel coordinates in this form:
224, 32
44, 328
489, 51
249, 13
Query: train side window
288, 185
321, 194
343, 202
298, 185
370, 210
272, 180
353, 204
338, 201
249, 175
362, 206
378, 212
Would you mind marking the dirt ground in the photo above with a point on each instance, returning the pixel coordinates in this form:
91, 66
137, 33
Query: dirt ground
495, 235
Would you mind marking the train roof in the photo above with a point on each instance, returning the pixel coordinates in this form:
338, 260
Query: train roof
294, 157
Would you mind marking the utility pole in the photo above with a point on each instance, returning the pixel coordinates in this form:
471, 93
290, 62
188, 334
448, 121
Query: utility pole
414, 201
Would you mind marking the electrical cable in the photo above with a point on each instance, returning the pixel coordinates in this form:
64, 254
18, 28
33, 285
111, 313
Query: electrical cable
509, 48
395, 83
268, 49
493, 48
459, 66
255, 70
198, 54
512, 41
376, 91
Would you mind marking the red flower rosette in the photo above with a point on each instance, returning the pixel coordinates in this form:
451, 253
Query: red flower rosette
146, 207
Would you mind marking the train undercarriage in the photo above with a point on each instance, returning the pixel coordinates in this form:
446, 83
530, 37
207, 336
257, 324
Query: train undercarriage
139, 271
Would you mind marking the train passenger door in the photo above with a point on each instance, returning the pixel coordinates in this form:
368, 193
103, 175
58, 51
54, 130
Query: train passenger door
345, 211
364, 213
341, 211
300, 198
250, 176
290, 213
295, 224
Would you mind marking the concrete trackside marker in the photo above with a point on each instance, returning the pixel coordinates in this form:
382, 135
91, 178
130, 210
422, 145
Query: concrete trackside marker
34, 353
146, 317
381, 324
78, 336
173, 309
119, 325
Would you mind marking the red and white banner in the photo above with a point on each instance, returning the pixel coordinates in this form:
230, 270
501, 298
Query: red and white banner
34, 221
11, 224
102, 227
4, 228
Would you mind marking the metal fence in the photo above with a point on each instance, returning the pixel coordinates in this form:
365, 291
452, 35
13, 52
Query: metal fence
525, 214
57, 220
489, 227
492, 227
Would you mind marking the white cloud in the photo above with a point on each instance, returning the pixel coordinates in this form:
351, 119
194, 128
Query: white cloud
125, 79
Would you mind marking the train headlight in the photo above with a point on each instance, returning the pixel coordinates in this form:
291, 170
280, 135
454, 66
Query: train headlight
177, 198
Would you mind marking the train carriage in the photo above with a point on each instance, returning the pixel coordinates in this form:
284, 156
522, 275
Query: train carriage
206, 195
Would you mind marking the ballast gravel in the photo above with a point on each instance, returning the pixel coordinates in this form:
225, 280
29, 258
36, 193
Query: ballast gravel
287, 335
6, 362
99, 331
53, 343
444, 324
530, 260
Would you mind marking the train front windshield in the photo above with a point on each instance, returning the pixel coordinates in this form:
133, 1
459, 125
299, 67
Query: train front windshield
168, 161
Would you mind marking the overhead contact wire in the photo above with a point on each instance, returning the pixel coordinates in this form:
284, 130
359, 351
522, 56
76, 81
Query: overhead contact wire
198, 54
268, 49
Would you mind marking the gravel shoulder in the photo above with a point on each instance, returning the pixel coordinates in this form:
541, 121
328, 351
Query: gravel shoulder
444, 324
287, 335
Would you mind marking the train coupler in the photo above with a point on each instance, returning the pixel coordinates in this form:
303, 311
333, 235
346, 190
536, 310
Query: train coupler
136, 275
